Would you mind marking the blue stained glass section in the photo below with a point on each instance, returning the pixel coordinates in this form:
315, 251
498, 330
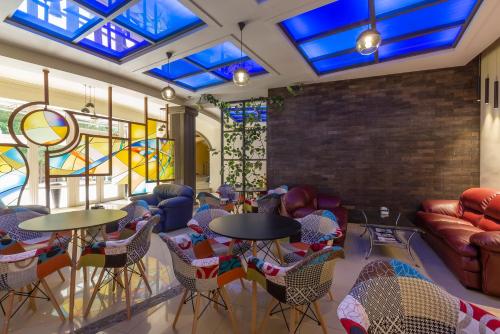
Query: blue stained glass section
217, 55
199, 81
251, 66
63, 19
444, 38
333, 43
113, 41
389, 6
158, 19
332, 16
260, 113
452, 11
341, 62
178, 68
104, 7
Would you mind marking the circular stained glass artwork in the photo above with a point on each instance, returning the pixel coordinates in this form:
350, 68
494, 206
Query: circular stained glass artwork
45, 127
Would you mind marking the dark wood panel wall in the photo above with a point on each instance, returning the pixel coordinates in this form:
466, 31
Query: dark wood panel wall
390, 140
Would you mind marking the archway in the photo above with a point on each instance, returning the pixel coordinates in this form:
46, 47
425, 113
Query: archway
202, 152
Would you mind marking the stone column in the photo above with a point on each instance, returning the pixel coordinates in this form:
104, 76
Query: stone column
183, 122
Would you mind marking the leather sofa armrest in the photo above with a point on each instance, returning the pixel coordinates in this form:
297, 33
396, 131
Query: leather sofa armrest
487, 240
326, 202
175, 202
151, 199
443, 207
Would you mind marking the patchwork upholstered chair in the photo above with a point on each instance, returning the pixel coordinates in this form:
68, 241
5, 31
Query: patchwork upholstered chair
206, 198
124, 255
202, 278
297, 286
392, 297
136, 211
22, 274
318, 229
26, 240
220, 245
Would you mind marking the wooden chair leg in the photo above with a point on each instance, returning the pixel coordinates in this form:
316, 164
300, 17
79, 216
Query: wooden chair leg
320, 317
278, 250
215, 296
127, 292
32, 297
243, 286
52, 299
293, 319
330, 295
267, 315
8, 312
179, 309
61, 275
196, 313
93, 274
94, 293
144, 277
227, 301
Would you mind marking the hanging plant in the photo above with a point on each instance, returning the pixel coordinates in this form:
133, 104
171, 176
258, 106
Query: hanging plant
245, 175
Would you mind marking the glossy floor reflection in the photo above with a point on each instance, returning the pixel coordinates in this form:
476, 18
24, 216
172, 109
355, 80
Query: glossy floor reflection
159, 318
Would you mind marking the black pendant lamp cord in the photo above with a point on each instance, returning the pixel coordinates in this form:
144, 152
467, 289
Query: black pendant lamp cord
169, 55
242, 26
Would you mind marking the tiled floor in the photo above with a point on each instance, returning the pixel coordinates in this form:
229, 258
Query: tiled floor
158, 319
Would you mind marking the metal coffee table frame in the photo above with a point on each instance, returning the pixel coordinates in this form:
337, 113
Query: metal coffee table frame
392, 233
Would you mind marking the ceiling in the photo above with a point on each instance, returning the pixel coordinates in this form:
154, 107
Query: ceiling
215, 22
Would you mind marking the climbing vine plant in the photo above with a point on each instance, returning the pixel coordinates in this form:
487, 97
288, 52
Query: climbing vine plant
244, 132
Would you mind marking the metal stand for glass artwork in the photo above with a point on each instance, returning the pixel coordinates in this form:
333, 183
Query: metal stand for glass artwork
388, 235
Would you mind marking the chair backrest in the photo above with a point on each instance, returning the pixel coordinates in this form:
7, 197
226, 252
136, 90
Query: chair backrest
389, 296
141, 240
311, 279
227, 191
317, 225
135, 210
203, 217
165, 191
207, 198
9, 223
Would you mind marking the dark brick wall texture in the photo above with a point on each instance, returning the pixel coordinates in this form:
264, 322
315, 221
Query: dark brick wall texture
391, 140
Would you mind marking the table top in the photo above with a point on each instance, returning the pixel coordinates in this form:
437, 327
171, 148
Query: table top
72, 220
255, 226
395, 220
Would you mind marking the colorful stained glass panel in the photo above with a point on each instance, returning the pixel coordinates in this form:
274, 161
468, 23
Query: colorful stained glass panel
45, 127
13, 174
167, 159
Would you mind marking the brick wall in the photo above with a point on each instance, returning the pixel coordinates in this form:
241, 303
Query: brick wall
391, 140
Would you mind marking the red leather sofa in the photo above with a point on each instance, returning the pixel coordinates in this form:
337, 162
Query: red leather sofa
466, 234
300, 201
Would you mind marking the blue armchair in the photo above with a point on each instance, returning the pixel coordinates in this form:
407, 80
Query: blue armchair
174, 204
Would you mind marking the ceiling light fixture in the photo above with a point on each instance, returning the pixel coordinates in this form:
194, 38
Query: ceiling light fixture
369, 40
241, 76
168, 93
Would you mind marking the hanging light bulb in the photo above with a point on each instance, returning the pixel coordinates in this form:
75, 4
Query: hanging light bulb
168, 93
369, 40
241, 76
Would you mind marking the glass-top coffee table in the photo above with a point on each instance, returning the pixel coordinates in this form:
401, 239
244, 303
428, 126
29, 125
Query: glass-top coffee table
388, 230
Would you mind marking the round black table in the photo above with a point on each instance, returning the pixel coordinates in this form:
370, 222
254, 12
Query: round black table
255, 227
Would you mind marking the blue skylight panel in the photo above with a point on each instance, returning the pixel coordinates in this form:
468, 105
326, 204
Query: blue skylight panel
384, 7
217, 55
113, 41
178, 68
425, 43
334, 43
441, 14
199, 81
63, 19
159, 19
103, 7
329, 17
342, 62
251, 66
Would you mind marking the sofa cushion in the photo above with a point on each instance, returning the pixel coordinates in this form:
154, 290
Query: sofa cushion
297, 198
491, 219
302, 212
432, 221
474, 201
459, 241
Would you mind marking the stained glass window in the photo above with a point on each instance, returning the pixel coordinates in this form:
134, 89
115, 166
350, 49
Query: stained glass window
13, 174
